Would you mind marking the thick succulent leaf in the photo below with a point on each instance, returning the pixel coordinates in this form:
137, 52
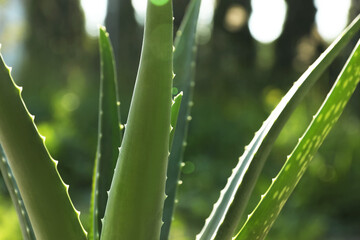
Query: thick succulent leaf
25, 225
264, 215
175, 108
137, 192
109, 134
45, 195
229, 208
184, 69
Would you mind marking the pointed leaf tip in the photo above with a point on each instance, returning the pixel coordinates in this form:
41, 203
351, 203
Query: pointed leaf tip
102, 28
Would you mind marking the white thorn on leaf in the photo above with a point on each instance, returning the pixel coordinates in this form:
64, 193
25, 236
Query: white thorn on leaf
56, 162
43, 137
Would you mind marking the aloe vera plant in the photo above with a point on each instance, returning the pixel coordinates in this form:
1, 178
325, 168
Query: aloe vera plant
136, 171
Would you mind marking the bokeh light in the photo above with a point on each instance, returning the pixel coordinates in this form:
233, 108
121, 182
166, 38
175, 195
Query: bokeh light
206, 16
331, 17
95, 12
267, 19
140, 10
235, 18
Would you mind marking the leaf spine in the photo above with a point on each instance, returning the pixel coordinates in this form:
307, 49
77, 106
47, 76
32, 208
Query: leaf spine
43, 137
56, 162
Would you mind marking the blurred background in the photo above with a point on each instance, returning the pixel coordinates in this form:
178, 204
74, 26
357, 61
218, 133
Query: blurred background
250, 53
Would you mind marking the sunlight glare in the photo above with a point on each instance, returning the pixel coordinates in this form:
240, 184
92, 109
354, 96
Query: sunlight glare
205, 16
95, 13
140, 10
267, 19
205, 21
331, 17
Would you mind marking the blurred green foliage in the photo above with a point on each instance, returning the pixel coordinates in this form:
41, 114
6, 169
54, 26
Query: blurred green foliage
9, 227
238, 83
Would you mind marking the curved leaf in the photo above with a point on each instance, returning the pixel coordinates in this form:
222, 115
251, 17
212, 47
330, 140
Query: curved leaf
109, 134
25, 225
45, 195
264, 215
175, 108
184, 69
137, 192
229, 208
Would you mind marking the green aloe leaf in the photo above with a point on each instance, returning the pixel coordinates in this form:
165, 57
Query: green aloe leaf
109, 134
229, 208
25, 225
45, 195
264, 215
137, 193
184, 69
175, 108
